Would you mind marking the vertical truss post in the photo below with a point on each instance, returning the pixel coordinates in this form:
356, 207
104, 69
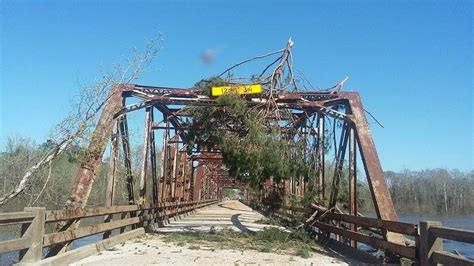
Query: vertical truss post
215, 190
164, 160
305, 140
173, 176
204, 184
146, 148
192, 180
111, 173
123, 126
188, 176
153, 161
339, 165
321, 163
182, 174
198, 181
207, 191
352, 180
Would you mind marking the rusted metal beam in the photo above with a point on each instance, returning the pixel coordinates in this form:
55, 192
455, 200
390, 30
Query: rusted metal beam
146, 148
321, 159
352, 180
198, 181
110, 190
189, 173
173, 169
84, 178
127, 158
153, 162
181, 177
380, 194
111, 173
164, 161
85, 175
339, 165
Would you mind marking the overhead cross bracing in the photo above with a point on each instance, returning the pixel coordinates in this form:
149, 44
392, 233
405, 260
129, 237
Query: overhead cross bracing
188, 171
308, 113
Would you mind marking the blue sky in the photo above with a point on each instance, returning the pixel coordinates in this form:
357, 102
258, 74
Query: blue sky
411, 61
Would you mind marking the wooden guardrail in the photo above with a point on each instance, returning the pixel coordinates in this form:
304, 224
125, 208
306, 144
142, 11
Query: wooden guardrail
32, 230
431, 244
427, 248
33, 220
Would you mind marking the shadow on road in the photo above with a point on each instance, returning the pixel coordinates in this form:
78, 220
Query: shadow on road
238, 224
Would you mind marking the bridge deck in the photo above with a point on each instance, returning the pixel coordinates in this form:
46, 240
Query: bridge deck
228, 214
152, 249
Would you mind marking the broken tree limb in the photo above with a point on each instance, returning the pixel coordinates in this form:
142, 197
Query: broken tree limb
50, 156
250, 59
85, 175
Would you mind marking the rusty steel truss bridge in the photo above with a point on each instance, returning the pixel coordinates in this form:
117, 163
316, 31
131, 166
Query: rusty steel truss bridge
190, 178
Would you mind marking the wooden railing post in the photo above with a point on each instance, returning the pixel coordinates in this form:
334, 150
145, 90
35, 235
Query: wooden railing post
428, 242
34, 231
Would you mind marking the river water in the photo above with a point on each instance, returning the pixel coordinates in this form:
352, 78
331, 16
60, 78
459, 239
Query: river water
464, 222
461, 221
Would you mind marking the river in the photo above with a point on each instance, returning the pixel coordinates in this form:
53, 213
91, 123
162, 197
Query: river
461, 221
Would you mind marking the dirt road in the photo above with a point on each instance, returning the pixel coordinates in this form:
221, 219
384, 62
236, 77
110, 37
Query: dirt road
152, 249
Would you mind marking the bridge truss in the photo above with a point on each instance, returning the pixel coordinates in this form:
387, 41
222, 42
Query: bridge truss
187, 173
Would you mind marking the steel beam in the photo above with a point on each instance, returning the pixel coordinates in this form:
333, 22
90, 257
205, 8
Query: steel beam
338, 167
321, 151
84, 178
127, 158
352, 180
145, 152
373, 169
153, 162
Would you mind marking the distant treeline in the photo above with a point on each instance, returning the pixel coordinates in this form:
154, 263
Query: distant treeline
436, 191
432, 191
51, 188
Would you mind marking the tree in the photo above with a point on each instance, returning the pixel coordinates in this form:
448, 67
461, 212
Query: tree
76, 127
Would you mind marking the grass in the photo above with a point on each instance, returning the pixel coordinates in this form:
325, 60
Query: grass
270, 221
303, 252
270, 239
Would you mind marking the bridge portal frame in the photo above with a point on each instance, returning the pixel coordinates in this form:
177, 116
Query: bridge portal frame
174, 183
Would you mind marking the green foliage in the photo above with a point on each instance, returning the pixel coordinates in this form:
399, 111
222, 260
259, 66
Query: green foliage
230, 193
204, 86
253, 150
270, 221
270, 234
303, 252
266, 247
270, 239
19, 154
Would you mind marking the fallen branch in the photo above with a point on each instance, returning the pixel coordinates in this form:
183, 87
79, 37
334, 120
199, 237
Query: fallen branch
250, 59
92, 100
44, 185
375, 119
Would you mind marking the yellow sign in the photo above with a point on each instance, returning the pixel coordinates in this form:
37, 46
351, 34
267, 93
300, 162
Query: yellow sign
236, 89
